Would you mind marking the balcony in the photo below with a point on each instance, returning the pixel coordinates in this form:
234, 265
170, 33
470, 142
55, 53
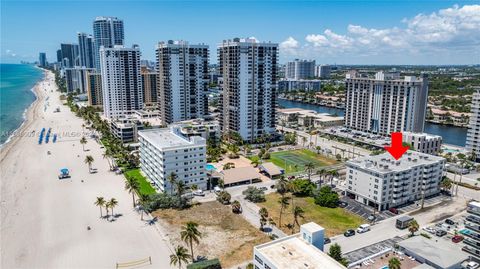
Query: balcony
471, 250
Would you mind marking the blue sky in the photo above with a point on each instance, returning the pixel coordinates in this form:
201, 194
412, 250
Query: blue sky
343, 32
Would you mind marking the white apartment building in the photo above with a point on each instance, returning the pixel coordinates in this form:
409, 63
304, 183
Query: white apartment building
76, 79
386, 103
167, 150
107, 32
423, 142
323, 71
182, 80
248, 101
382, 182
121, 80
473, 136
309, 85
301, 250
300, 69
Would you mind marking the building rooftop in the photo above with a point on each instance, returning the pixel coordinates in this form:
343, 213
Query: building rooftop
294, 252
440, 252
166, 138
426, 135
385, 163
240, 174
271, 169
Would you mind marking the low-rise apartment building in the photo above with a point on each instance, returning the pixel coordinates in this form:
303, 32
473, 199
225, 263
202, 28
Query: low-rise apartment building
308, 85
307, 118
165, 151
423, 142
382, 182
200, 127
301, 250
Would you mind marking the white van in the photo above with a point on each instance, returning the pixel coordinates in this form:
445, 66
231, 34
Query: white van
363, 228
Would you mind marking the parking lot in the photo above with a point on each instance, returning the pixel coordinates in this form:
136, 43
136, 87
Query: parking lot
363, 210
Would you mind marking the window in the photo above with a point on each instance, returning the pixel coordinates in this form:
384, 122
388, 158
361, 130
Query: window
258, 259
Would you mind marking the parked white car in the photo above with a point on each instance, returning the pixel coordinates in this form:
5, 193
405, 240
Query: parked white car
363, 228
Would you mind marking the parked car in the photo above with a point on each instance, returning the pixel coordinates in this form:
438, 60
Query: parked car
440, 233
263, 188
457, 238
349, 233
393, 210
371, 217
363, 228
199, 193
342, 204
430, 230
217, 189
327, 240
472, 265
449, 222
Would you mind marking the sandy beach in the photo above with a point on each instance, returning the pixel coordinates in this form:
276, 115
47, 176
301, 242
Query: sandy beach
44, 220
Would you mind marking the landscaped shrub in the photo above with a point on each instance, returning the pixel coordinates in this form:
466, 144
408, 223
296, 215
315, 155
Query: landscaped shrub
303, 187
326, 197
254, 195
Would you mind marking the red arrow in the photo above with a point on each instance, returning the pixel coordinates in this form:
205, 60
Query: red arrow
397, 149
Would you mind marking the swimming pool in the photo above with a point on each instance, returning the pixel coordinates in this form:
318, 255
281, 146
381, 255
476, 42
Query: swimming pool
210, 167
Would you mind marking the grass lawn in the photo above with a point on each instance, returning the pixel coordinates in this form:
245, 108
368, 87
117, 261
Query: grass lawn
225, 235
334, 220
145, 187
288, 159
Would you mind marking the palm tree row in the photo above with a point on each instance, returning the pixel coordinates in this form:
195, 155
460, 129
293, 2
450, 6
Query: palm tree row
102, 203
283, 187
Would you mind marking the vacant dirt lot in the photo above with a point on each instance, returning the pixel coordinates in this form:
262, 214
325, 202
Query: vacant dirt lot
224, 235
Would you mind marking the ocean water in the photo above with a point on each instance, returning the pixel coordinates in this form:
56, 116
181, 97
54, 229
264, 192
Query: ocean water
16, 83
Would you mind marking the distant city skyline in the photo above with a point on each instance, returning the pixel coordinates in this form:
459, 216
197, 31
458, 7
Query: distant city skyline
341, 32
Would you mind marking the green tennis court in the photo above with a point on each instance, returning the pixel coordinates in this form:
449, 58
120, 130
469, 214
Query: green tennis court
295, 160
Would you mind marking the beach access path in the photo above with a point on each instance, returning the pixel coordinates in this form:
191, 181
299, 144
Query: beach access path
44, 220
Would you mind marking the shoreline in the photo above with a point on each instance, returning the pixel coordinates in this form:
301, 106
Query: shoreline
30, 115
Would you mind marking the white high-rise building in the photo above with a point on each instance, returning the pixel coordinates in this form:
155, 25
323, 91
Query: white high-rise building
86, 50
182, 80
323, 71
383, 182
76, 79
121, 80
386, 103
249, 75
107, 32
473, 136
166, 151
300, 69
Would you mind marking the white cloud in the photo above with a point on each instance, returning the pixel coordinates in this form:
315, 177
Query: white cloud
289, 45
452, 30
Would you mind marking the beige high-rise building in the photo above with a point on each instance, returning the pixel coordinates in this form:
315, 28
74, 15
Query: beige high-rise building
149, 86
94, 89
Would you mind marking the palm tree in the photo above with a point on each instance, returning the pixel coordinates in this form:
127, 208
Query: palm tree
194, 187
282, 185
132, 186
181, 187
283, 201
143, 201
236, 207
100, 202
221, 184
263, 217
83, 141
309, 168
191, 234
297, 213
304, 140
413, 227
172, 178
318, 148
180, 256
394, 263
446, 184
332, 173
112, 203
89, 160
321, 174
